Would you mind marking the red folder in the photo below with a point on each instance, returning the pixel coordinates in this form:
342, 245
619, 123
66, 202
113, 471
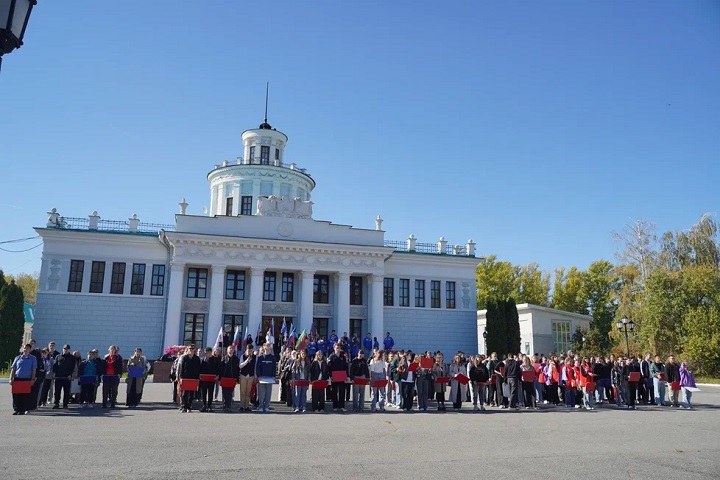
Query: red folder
661, 377
634, 377
207, 377
301, 383
361, 381
482, 384
228, 382
442, 379
675, 386
413, 367
319, 384
20, 387
528, 375
339, 376
189, 384
462, 378
379, 383
426, 362
590, 387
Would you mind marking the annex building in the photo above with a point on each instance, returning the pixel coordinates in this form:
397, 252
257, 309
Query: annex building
256, 258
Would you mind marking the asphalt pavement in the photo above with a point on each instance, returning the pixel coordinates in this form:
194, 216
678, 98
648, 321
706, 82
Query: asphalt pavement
155, 441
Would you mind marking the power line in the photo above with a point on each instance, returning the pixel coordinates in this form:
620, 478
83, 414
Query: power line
20, 251
20, 239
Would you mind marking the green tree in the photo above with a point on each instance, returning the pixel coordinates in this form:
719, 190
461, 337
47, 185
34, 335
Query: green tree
29, 284
12, 321
599, 287
533, 285
702, 342
495, 280
495, 326
568, 291
512, 326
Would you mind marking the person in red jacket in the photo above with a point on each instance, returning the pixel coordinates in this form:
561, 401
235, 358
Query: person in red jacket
588, 384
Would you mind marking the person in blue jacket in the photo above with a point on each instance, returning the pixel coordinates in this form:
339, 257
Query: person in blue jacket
332, 340
388, 343
354, 347
376, 344
368, 345
322, 346
312, 347
265, 368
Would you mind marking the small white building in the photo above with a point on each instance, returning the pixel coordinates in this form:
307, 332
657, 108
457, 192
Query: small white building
256, 259
542, 329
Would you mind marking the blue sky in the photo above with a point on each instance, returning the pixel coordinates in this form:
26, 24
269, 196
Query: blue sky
534, 128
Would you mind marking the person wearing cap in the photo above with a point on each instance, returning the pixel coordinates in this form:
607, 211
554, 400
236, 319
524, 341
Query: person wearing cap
64, 368
359, 369
111, 379
23, 369
388, 342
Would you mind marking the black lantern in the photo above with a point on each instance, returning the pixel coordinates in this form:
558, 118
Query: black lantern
14, 15
624, 325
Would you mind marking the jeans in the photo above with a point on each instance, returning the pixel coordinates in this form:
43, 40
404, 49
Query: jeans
397, 395
589, 398
478, 396
408, 389
569, 397
659, 391
358, 397
539, 391
422, 393
687, 396
300, 398
378, 394
264, 393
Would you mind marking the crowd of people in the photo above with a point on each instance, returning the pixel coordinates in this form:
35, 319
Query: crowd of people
394, 379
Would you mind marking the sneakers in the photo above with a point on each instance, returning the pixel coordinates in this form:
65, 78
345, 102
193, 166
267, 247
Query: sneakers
297, 409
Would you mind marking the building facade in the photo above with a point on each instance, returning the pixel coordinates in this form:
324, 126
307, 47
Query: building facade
542, 329
256, 260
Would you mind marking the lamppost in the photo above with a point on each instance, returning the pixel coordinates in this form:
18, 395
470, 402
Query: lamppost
14, 16
485, 340
624, 325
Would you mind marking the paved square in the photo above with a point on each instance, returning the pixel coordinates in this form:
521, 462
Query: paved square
155, 441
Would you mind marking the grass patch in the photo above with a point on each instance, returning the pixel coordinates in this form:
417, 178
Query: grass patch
707, 380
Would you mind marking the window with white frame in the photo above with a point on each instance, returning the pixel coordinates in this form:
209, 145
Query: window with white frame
562, 338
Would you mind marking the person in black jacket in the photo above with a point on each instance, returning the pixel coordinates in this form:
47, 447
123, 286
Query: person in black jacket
188, 368
64, 368
318, 371
113, 369
512, 378
210, 365
672, 374
230, 368
359, 369
338, 363
631, 366
39, 376
478, 374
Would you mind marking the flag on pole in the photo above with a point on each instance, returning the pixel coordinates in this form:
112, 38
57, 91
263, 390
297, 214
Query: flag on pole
313, 330
270, 336
302, 341
219, 339
293, 335
283, 330
257, 334
244, 340
236, 338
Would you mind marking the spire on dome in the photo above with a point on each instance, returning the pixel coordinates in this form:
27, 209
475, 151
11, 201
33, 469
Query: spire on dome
265, 125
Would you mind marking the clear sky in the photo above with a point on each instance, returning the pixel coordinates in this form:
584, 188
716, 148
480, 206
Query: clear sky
534, 128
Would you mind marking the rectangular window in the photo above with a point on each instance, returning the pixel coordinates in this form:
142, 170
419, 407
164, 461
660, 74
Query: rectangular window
228, 206
269, 287
97, 277
196, 283
356, 291
264, 155
252, 154
137, 285
388, 292
157, 285
562, 339
277, 154
434, 294
419, 293
235, 285
194, 329
449, 294
76, 275
117, 281
321, 327
246, 205
404, 292
321, 289
288, 287
230, 323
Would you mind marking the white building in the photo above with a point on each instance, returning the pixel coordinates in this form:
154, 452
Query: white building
542, 329
259, 256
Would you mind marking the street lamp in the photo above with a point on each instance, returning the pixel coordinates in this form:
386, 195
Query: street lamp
14, 15
485, 340
624, 325
583, 343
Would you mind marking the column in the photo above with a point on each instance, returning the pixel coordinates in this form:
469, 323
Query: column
342, 309
256, 300
306, 300
173, 317
376, 307
217, 294
236, 199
